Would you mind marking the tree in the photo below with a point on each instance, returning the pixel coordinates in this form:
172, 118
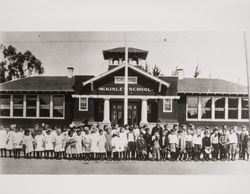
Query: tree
197, 71
156, 71
17, 65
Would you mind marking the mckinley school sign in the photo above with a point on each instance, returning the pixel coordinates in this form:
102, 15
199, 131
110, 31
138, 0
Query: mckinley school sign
121, 89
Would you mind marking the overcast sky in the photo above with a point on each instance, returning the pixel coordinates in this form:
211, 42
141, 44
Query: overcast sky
220, 54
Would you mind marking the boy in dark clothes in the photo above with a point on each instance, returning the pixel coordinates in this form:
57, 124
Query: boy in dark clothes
148, 139
206, 145
141, 147
164, 145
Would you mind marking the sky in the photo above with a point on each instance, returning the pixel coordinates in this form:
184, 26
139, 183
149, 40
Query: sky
219, 54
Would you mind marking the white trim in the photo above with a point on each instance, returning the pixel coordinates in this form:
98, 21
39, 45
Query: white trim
171, 100
51, 106
122, 97
130, 66
2, 117
24, 105
129, 82
213, 93
79, 104
220, 120
11, 105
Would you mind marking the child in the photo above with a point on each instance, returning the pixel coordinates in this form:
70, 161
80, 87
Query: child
156, 146
3, 140
223, 140
101, 145
59, 144
79, 146
164, 145
49, 148
94, 143
87, 143
40, 142
115, 142
197, 144
247, 145
173, 142
108, 145
28, 142
148, 139
215, 144
206, 146
233, 141
9, 144
189, 145
124, 143
131, 144
181, 145
17, 142
71, 145
141, 147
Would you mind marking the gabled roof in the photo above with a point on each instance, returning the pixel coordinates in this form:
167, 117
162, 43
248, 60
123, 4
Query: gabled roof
129, 66
210, 86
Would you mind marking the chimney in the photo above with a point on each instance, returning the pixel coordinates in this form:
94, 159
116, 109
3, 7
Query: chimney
180, 73
70, 72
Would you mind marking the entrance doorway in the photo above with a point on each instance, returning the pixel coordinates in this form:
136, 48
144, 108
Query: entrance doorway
117, 113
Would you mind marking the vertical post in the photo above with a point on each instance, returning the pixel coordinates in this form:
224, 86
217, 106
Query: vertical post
11, 105
247, 70
126, 83
106, 111
37, 106
24, 105
144, 111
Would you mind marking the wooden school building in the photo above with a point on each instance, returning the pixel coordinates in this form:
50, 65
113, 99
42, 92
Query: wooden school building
62, 100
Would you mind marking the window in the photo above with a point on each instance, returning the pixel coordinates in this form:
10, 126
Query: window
58, 106
18, 105
121, 80
219, 108
5, 105
232, 108
192, 107
167, 105
244, 108
44, 105
206, 107
31, 105
83, 104
101, 107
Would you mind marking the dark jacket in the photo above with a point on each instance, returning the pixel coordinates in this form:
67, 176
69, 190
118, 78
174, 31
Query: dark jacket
156, 129
165, 143
148, 139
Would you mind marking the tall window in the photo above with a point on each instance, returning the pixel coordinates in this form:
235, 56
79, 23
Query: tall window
232, 108
31, 105
58, 103
5, 105
18, 105
44, 105
206, 107
219, 108
192, 107
83, 104
244, 108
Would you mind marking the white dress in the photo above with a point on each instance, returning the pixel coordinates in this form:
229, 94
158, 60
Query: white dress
94, 142
101, 143
124, 141
71, 145
28, 142
86, 143
3, 138
17, 140
116, 144
9, 145
79, 148
59, 143
39, 143
48, 142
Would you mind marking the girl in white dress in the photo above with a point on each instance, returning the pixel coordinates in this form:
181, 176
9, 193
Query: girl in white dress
116, 143
17, 142
59, 144
101, 145
79, 150
9, 144
71, 145
94, 143
49, 147
86, 144
28, 142
3, 140
40, 143
124, 143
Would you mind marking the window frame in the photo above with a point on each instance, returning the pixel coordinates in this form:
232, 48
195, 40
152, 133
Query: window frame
123, 77
171, 105
79, 104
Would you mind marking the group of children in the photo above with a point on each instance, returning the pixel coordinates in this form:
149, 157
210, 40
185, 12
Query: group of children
91, 142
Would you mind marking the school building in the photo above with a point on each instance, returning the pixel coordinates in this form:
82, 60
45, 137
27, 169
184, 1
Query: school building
62, 100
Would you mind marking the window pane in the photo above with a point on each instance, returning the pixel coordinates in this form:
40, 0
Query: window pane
233, 108
192, 110
4, 105
219, 108
83, 103
206, 104
192, 102
44, 105
193, 113
31, 105
58, 101
17, 105
244, 110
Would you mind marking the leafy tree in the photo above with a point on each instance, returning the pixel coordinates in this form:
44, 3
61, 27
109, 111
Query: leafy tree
17, 65
156, 71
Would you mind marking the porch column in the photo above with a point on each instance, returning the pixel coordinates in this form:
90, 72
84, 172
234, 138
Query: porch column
144, 112
106, 111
